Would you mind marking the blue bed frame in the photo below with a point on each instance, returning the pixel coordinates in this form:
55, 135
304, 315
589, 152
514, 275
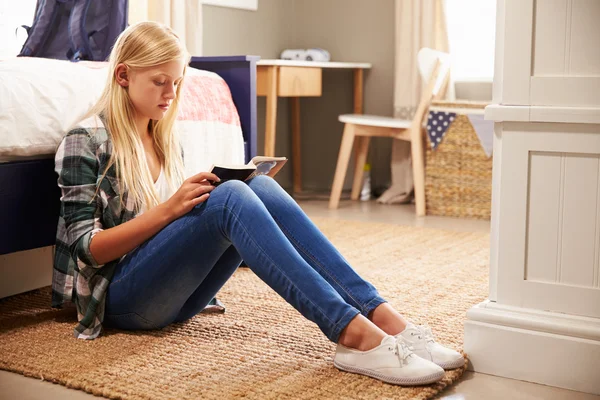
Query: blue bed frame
30, 197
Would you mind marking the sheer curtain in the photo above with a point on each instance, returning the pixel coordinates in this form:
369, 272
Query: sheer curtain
183, 16
419, 23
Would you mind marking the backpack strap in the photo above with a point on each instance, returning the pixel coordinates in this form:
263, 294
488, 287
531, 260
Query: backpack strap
80, 44
108, 28
119, 13
45, 17
35, 16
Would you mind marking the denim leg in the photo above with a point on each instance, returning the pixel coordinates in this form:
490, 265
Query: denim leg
153, 282
208, 288
160, 277
314, 247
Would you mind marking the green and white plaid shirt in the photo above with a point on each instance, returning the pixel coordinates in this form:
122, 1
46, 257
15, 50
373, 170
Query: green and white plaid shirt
80, 161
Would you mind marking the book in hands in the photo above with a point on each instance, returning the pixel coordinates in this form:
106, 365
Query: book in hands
259, 165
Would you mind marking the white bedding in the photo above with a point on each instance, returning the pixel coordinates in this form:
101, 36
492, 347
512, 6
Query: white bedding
41, 99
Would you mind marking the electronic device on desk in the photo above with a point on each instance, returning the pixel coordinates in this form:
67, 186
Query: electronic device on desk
306, 55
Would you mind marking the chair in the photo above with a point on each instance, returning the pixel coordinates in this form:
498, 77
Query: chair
434, 69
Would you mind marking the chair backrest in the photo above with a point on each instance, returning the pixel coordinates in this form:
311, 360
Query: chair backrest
434, 67
426, 60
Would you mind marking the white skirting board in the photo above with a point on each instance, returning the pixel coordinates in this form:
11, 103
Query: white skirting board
536, 346
25, 270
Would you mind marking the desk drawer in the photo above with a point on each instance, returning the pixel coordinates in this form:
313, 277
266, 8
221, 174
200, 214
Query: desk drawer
300, 81
291, 81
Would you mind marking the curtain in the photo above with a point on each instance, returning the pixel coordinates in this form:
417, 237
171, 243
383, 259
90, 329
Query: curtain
183, 16
419, 23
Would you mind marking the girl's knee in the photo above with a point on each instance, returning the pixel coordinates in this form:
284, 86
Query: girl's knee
263, 181
233, 190
233, 186
266, 179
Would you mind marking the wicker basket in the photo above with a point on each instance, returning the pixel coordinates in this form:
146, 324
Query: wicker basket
458, 173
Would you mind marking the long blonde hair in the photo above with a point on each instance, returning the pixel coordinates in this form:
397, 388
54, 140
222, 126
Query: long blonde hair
146, 44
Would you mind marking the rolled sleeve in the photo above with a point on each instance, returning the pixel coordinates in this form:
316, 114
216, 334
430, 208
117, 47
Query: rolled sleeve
77, 167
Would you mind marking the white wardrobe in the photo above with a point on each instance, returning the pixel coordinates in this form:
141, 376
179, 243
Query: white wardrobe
541, 322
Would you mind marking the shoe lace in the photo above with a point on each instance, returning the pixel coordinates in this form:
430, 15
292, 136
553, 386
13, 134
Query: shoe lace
424, 332
402, 350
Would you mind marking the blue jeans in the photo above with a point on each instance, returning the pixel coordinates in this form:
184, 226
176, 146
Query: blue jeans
172, 276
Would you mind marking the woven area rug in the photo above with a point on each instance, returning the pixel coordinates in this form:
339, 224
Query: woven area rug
261, 348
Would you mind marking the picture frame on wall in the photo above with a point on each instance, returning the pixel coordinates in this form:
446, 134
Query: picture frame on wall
243, 4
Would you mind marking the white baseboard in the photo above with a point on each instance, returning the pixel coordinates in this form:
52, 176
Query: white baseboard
553, 349
25, 270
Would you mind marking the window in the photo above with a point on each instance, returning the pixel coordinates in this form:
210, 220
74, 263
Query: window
13, 14
471, 35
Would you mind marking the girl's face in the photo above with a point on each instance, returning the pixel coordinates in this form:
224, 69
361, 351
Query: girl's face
152, 89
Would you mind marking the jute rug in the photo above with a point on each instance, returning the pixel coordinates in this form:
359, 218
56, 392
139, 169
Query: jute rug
261, 348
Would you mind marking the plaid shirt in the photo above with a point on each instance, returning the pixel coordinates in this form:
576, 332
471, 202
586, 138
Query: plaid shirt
80, 161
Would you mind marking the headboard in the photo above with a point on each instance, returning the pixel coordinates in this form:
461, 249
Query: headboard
240, 74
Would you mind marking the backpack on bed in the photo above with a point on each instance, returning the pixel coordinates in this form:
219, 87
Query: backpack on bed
75, 29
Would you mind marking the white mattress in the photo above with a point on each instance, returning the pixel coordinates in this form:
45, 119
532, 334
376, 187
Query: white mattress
41, 99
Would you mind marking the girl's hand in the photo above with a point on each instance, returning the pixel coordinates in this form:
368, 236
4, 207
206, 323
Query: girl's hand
192, 192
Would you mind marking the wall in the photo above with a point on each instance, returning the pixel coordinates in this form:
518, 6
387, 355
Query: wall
351, 30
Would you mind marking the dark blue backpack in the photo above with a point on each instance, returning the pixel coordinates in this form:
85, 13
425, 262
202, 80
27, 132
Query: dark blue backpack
75, 29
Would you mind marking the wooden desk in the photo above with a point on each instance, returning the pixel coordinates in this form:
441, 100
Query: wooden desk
295, 79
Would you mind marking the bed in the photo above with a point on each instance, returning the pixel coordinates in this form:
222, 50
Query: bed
29, 195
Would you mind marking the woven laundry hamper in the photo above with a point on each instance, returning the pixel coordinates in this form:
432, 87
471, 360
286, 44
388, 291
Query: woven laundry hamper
458, 173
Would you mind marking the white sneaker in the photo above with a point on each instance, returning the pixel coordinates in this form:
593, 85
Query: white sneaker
421, 341
391, 362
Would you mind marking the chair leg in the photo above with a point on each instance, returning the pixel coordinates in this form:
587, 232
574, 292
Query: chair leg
361, 159
418, 161
342, 166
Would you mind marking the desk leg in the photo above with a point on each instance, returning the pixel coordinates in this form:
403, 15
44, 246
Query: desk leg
361, 142
296, 154
271, 106
358, 91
